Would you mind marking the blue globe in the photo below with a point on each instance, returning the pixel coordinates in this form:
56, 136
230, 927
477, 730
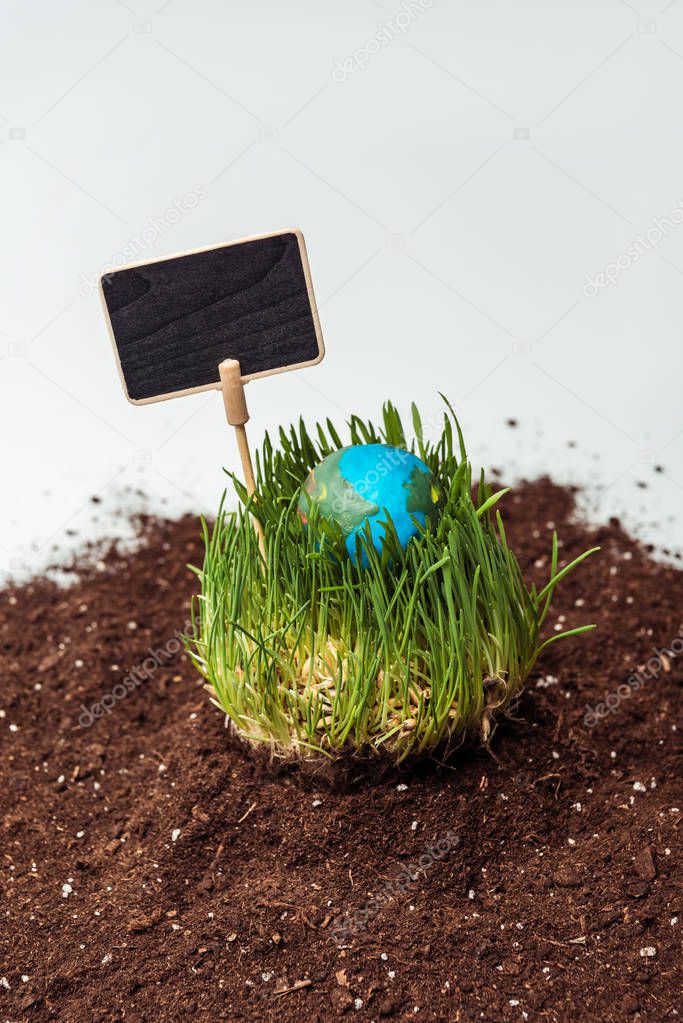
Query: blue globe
362, 483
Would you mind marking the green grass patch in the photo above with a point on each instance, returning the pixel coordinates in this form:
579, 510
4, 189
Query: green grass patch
310, 654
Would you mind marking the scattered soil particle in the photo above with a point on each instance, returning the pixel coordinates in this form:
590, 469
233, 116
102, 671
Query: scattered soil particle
153, 870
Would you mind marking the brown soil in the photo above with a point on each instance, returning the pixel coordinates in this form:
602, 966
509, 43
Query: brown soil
204, 885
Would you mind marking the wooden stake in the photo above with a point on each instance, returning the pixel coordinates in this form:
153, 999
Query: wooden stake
237, 414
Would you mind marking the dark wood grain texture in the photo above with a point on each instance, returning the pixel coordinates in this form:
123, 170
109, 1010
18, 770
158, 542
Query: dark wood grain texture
174, 320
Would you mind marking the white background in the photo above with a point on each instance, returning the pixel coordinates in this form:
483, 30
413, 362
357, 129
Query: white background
454, 191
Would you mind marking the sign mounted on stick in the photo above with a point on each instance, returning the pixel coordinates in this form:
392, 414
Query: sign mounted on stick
214, 319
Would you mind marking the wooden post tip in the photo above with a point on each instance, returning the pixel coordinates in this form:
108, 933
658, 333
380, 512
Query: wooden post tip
233, 392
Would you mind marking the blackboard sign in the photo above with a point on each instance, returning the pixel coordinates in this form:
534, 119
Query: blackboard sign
173, 320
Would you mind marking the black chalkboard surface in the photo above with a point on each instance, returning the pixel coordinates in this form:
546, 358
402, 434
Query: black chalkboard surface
175, 319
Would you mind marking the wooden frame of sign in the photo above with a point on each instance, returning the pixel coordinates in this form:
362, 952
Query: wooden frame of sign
214, 318
122, 292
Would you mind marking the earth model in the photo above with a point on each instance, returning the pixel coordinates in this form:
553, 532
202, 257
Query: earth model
365, 482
